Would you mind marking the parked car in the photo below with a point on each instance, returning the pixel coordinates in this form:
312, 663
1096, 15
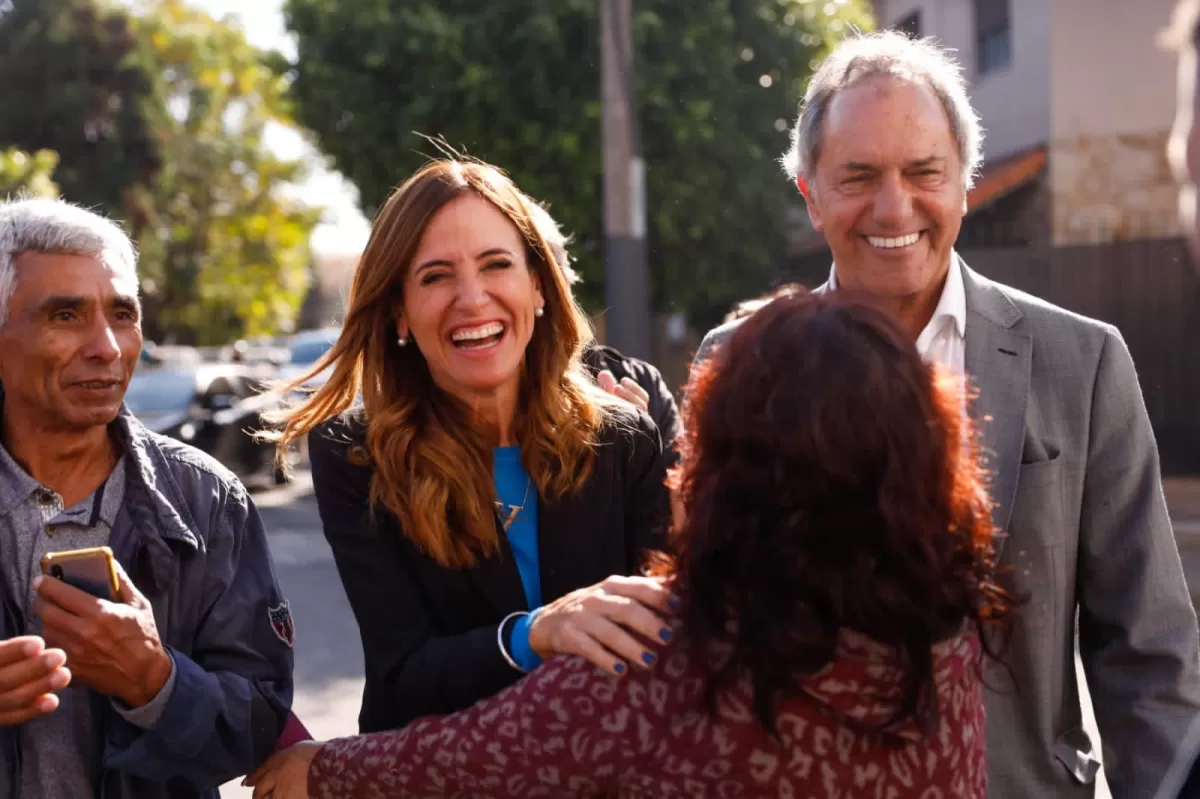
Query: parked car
306, 348
214, 407
169, 355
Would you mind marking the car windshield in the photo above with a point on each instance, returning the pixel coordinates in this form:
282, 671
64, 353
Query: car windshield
308, 351
160, 392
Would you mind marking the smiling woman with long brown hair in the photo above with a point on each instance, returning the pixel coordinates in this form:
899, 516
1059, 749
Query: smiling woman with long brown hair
834, 574
485, 502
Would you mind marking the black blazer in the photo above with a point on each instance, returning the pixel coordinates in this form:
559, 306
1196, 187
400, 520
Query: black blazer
429, 632
662, 407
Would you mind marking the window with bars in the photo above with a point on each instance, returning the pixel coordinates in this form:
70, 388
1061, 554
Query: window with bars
910, 25
993, 35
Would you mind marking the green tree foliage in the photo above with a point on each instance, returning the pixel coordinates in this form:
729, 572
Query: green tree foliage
224, 252
158, 113
70, 85
517, 83
27, 174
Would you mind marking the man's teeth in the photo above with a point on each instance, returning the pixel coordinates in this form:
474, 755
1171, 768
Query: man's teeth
891, 244
475, 333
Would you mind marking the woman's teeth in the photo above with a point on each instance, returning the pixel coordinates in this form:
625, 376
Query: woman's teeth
475, 337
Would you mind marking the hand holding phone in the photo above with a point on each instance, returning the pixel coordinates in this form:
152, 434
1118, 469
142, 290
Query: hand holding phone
112, 647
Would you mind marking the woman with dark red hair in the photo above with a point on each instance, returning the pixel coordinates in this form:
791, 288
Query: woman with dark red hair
833, 578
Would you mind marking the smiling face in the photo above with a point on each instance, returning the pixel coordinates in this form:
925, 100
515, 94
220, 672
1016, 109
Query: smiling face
887, 189
70, 342
470, 299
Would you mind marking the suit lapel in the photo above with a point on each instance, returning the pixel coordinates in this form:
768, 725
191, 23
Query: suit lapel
569, 532
997, 363
498, 579
553, 551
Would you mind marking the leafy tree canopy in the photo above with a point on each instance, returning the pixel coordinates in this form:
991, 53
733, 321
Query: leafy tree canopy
517, 83
25, 174
158, 115
225, 252
72, 85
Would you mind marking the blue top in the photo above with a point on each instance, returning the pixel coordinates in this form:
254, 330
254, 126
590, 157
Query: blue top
514, 488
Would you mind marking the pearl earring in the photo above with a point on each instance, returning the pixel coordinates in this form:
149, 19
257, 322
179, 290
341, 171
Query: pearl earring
539, 311
401, 340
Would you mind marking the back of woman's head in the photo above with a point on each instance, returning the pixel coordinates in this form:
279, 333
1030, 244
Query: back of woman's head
829, 481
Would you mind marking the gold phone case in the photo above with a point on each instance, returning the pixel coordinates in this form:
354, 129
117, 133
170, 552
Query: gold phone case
85, 569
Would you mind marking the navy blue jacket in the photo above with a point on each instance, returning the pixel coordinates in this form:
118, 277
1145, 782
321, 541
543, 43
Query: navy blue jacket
192, 541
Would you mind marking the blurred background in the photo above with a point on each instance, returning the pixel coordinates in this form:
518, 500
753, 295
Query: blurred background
245, 144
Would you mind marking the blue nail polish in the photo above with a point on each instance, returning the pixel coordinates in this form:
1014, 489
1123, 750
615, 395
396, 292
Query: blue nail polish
619, 668
674, 603
647, 658
665, 634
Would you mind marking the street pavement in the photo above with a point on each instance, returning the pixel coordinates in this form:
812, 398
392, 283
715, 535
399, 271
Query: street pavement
329, 655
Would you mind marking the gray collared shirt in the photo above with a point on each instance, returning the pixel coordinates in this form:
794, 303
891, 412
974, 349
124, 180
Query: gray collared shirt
58, 756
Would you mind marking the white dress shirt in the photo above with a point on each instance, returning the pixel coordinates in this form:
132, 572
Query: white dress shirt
943, 339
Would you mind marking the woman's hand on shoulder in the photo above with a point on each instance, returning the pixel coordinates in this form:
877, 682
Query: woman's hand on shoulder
615, 623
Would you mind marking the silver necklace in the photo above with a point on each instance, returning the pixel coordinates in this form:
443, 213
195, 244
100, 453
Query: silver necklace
508, 517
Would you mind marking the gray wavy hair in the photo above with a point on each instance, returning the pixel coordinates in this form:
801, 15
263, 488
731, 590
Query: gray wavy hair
893, 54
54, 226
557, 240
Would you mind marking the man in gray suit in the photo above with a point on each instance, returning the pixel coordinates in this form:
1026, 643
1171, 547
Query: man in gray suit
884, 152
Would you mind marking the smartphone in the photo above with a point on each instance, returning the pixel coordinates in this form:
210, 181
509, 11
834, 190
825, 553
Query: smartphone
92, 570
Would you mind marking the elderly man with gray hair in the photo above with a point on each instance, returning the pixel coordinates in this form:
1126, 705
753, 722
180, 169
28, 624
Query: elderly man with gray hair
175, 675
884, 152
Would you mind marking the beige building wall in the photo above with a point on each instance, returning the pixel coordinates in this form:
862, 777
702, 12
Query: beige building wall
1087, 79
1014, 102
1108, 74
1113, 102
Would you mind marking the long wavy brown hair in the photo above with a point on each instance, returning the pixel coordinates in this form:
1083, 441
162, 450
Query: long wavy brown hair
432, 467
829, 481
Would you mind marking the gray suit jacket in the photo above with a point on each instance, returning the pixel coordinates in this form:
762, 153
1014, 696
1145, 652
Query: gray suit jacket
1076, 485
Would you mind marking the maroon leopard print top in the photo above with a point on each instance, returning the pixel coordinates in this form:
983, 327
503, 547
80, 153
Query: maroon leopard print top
570, 730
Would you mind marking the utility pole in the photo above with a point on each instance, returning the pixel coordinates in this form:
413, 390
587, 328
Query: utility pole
627, 295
